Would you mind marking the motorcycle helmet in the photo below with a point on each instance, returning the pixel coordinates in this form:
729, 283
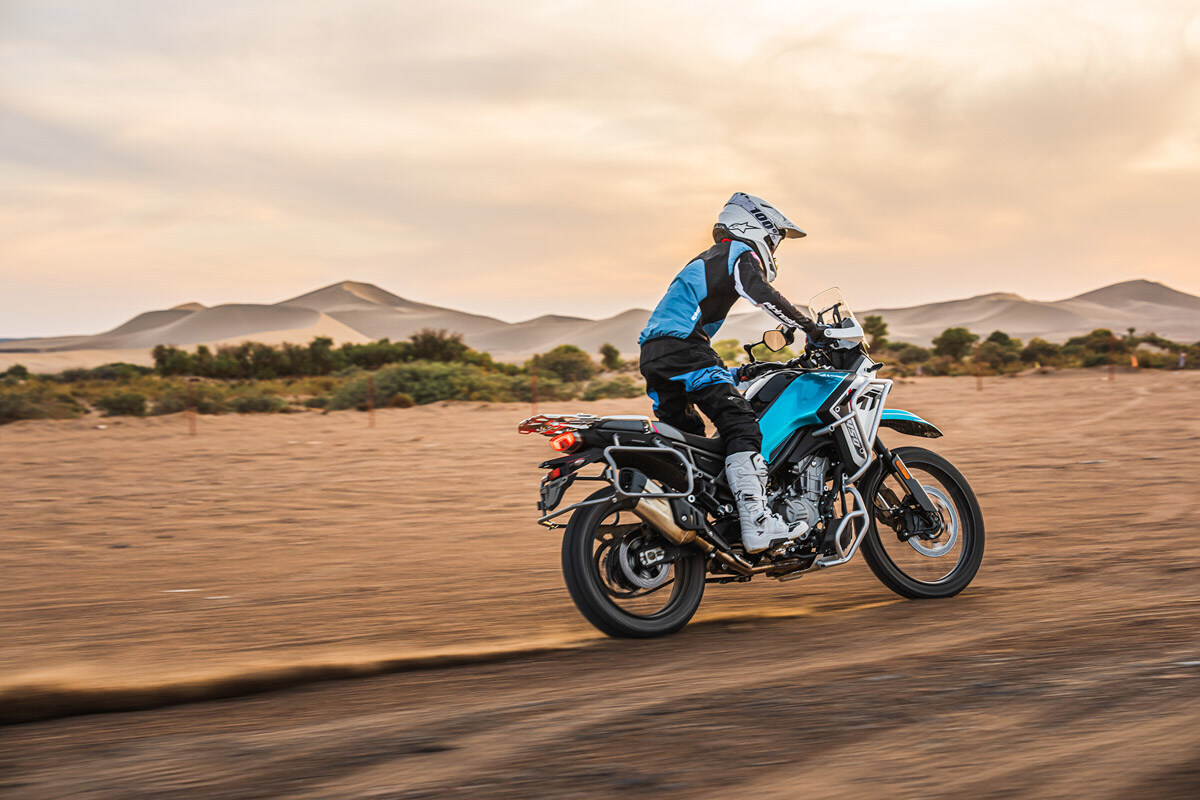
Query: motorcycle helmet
755, 222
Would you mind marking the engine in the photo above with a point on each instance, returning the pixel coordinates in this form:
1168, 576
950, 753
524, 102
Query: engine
801, 500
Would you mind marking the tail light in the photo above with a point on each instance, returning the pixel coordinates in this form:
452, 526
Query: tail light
565, 442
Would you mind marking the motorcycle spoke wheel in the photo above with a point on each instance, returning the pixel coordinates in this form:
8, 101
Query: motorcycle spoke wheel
613, 567
928, 559
905, 549
609, 581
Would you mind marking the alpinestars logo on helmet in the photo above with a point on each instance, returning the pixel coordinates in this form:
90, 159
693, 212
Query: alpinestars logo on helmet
742, 227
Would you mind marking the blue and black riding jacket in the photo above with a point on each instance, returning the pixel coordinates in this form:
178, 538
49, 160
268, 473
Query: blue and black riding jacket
701, 295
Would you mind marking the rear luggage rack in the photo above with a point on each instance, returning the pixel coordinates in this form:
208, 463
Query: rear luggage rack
554, 424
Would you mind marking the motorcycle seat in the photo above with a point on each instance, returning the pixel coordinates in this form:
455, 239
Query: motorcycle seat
714, 444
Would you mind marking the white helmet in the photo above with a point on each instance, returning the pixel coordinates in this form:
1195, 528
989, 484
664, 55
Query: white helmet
750, 219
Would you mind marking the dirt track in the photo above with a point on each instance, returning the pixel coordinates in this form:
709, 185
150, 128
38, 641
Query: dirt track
314, 546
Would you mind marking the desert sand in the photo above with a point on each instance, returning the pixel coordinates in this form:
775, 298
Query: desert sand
389, 587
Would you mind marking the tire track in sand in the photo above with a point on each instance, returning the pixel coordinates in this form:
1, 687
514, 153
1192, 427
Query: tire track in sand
43, 696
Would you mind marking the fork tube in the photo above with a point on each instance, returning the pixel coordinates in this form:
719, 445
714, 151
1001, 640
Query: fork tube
894, 465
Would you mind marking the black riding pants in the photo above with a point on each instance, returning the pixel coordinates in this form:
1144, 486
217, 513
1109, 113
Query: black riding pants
682, 376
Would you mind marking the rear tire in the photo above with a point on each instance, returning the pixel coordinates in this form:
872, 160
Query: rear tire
970, 521
588, 591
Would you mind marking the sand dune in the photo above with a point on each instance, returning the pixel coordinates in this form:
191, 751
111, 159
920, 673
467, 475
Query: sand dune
351, 311
324, 325
1141, 304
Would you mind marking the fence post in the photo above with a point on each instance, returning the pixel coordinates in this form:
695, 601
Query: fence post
1112, 357
191, 406
370, 401
533, 386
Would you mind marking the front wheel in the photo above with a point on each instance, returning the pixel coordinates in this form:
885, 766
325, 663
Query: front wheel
605, 572
912, 559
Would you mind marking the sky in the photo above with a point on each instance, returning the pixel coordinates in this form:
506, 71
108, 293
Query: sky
521, 158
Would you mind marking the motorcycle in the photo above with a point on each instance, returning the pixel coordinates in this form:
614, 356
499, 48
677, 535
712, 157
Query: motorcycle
638, 552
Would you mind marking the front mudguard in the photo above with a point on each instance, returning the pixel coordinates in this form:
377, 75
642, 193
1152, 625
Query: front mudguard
908, 423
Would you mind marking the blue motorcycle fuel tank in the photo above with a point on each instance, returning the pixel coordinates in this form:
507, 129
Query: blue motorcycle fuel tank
801, 403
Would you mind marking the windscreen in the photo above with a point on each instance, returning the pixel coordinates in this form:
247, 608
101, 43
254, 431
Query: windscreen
830, 307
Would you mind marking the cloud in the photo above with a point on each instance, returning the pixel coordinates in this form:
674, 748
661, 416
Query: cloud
460, 153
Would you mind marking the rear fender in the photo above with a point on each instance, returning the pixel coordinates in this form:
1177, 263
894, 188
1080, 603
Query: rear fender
562, 475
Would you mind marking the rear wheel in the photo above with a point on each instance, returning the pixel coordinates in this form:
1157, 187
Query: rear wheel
606, 574
915, 559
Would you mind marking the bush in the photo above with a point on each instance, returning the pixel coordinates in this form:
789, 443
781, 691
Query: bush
565, 362
909, 354
16, 371
428, 382
208, 399
116, 371
123, 404
1039, 351
257, 404
875, 328
941, 365
617, 387
316, 402
548, 388
954, 343
431, 345
402, 400
610, 356
37, 402
995, 356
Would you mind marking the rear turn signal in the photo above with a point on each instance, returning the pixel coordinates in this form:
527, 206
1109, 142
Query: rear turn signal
564, 442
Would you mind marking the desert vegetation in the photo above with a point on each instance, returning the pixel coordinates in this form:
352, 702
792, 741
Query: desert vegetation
959, 351
433, 365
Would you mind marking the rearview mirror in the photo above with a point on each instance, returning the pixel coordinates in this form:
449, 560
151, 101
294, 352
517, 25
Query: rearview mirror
774, 340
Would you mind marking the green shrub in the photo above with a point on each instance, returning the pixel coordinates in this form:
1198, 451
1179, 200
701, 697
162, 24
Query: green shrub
548, 388
566, 362
208, 399
429, 382
610, 356
621, 386
1042, 352
16, 371
316, 402
909, 354
123, 404
257, 403
402, 400
954, 343
38, 401
116, 371
875, 328
995, 356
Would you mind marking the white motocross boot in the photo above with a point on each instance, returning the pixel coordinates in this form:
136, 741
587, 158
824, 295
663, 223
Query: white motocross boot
747, 476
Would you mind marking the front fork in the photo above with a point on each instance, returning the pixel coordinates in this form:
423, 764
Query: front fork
892, 464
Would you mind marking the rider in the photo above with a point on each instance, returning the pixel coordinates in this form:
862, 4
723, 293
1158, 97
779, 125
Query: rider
682, 371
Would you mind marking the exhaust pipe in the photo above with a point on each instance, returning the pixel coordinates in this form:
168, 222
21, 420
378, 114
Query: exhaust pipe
656, 512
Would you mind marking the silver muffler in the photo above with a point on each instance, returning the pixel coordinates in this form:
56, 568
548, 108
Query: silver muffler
656, 512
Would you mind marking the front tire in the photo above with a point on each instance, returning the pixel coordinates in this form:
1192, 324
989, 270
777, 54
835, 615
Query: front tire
917, 571
583, 565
